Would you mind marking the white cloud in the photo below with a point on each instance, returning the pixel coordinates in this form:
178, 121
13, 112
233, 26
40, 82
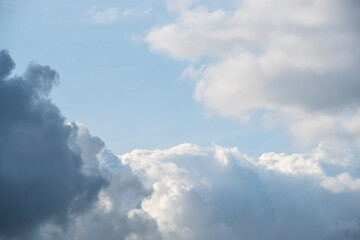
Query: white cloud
293, 58
191, 192
220, 193
341, 183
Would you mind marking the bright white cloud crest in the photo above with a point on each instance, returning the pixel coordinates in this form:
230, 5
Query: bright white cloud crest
296, 58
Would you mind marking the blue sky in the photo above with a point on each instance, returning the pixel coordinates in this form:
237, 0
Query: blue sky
112, 82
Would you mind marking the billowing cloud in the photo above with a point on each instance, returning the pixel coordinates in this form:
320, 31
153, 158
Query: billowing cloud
295, 59
192, 192
116, 213
220, 193
41, 178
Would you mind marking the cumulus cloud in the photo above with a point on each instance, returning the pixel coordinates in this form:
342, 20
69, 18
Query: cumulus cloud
294, 58
40, 176
192, 192
342, 182
116, 213
220, 193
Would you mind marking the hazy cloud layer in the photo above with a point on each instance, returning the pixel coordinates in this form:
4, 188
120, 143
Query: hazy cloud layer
40, 176
295, 60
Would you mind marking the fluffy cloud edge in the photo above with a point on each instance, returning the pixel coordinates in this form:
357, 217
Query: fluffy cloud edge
290, 61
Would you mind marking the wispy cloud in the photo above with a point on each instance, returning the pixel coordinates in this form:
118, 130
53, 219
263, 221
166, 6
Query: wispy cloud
113, 14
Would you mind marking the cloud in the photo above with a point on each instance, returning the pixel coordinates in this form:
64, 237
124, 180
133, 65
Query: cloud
297, 59
112, 14
220, 193
40, 176
57, 181
342, 182
192, 192
116, 214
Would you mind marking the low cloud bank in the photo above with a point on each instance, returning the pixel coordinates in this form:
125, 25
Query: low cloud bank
220, 193
192, 192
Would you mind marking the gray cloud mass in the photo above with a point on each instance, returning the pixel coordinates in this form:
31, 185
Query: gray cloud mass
40, 176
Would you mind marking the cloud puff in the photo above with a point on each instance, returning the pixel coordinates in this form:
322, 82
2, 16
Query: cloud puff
220, 193
297, 59
41, 178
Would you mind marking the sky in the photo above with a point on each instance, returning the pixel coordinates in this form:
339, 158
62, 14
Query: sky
179, 119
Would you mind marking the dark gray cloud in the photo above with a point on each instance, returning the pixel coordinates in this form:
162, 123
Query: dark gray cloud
41, 178
116, 215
